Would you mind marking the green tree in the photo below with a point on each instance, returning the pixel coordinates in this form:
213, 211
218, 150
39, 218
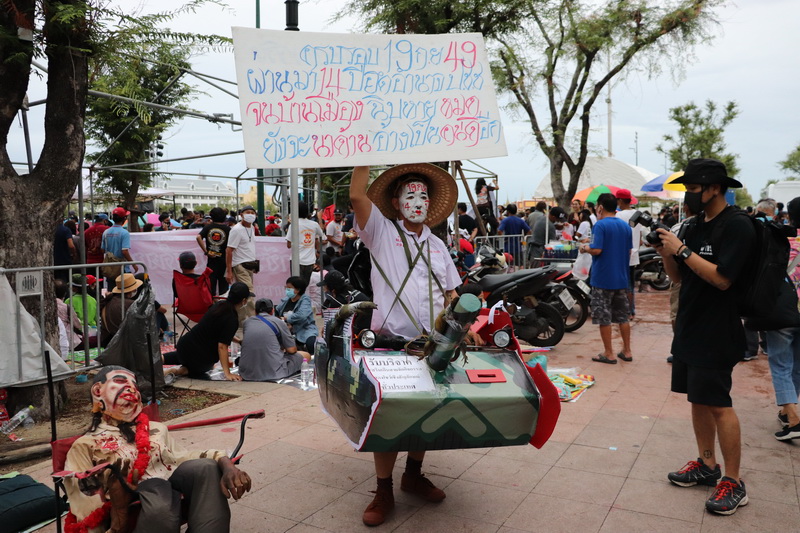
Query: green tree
126, 133
701, 132
63, 34
556, 56
791, 164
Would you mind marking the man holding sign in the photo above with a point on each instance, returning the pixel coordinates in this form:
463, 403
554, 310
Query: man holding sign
412, 279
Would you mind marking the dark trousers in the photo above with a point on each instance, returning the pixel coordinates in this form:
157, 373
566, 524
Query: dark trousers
198, 481
219, 285
305, 272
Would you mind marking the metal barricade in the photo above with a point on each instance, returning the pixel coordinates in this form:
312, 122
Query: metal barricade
29, 282
514, 245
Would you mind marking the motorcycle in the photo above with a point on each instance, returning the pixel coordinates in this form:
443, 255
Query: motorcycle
571, 296
535, 321
650, 270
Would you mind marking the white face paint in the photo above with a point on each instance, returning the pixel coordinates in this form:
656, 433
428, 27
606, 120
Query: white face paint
414, 201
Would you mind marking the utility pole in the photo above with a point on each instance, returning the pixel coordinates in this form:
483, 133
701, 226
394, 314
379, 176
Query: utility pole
608, 101
636, 146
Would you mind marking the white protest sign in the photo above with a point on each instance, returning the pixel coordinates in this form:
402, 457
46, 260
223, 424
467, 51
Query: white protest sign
400, 373
332, 99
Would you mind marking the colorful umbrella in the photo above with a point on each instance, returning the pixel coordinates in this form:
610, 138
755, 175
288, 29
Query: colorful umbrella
669, 186
590, 194
656, 184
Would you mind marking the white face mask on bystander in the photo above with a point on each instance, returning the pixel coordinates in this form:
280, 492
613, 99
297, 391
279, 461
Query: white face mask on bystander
414, 201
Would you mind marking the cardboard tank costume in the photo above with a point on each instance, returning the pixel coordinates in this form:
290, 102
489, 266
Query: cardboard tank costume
433, 392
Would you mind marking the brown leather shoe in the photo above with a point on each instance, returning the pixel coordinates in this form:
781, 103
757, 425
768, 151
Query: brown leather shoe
422, 487
376, 512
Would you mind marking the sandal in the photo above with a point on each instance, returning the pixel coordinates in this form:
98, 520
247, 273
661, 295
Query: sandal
625, 357
600, 358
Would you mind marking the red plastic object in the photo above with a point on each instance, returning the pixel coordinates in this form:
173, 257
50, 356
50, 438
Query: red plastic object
491, 375
549, 406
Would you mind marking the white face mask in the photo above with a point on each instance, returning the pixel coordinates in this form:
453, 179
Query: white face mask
414, 201
249, 218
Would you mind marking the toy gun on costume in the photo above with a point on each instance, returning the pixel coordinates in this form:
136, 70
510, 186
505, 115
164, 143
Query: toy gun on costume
449, 331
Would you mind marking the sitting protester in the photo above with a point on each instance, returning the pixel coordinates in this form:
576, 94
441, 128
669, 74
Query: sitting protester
114, 306
296, 310
206, 343
151, 463
268, 347
81, 286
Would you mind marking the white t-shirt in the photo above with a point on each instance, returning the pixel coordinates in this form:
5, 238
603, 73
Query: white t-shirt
585, 229
637, 234
334, 230
242, 243
386, 246
309, 233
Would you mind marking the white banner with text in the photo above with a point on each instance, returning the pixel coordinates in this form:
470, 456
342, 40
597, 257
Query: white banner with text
330, 99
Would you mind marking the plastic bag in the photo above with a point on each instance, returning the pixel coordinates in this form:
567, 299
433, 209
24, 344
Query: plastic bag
129, 347
582, 266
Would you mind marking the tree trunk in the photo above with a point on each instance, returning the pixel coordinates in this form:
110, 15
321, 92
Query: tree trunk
39, 198
556, 179
130, 204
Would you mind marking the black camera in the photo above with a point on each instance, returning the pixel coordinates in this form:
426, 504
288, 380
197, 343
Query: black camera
647, 221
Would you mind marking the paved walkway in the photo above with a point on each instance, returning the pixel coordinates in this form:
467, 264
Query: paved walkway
603, 470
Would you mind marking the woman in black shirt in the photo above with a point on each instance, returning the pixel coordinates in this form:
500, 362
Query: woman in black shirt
200, 349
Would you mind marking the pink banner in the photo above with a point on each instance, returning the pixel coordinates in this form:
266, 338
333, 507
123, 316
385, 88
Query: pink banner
160, 251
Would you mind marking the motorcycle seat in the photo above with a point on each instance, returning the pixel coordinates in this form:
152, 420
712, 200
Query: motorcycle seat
493, 281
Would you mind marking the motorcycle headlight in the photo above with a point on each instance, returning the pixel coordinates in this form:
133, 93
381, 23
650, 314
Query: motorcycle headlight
501, 338
367, 338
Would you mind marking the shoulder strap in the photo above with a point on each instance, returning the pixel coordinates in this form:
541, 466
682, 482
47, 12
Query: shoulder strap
419, 254
271, 326
793, 264
726, 213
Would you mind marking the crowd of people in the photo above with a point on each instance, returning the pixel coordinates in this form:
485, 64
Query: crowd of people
706, 253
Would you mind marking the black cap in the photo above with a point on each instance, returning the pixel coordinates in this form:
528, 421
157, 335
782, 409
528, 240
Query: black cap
558, 213
247, 207
705, 172
238, 292
187, 260
337, 212
333, 279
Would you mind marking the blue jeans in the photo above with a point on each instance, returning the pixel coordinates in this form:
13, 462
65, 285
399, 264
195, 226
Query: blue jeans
784, 364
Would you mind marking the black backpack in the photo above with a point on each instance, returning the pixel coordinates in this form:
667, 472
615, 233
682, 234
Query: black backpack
760, 283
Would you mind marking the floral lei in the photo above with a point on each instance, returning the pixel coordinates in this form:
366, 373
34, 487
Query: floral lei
99, 515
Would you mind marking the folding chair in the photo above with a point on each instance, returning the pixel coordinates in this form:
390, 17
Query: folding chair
61, 447
193, 298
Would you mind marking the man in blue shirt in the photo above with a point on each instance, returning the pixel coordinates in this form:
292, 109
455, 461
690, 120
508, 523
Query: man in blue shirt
611, 248
117, 241
513, 225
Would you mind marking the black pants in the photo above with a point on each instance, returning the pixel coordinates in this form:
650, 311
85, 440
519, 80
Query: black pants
219, 285
198, 481
487, 213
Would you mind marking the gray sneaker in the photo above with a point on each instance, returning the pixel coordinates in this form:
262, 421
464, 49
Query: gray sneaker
750, 356
695, 473
729, 495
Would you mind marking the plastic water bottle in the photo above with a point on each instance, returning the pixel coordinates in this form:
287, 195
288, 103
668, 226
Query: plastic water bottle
306, 374
16, 420
169, 339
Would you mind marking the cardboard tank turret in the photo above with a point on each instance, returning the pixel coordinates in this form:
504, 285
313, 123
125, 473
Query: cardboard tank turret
395, 395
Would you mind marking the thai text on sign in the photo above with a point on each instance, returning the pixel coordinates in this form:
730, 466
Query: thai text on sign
327, 99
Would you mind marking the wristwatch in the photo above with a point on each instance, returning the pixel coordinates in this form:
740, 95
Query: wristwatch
684, 253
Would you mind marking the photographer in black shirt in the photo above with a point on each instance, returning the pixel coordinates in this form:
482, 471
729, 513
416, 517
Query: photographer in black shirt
709, 338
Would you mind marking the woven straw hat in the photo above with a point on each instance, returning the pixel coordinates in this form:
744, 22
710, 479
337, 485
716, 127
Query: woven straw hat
442, 191
126, 283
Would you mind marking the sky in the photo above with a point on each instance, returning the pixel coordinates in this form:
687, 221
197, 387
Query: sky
752, 60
